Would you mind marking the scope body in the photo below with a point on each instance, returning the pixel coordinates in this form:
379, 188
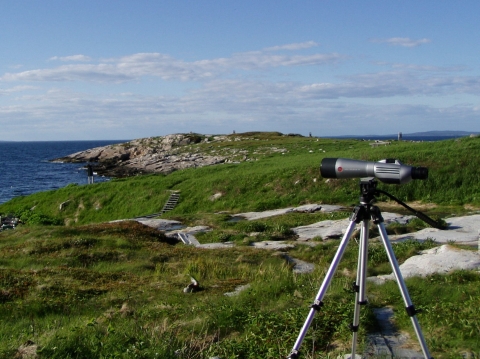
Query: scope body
387, 171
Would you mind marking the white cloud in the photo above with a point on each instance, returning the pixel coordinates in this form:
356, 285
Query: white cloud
402, 41
223, 105
219, 95
292, 47
133, 67
390, 84
14, 89
424, 68
94, 73
73, 58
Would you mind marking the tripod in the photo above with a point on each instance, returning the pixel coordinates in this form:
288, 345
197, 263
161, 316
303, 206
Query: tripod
362, 213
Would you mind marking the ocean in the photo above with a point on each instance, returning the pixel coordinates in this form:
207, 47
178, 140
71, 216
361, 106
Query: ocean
26, 167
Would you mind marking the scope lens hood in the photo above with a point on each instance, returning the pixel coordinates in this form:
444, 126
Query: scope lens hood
327, 168
420, 173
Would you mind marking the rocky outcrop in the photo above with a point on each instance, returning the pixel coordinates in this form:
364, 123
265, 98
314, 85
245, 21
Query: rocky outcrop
163, 154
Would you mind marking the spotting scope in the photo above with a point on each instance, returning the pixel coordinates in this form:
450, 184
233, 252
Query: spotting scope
387, 171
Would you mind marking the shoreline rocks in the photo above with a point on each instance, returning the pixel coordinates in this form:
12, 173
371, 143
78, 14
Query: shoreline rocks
148, 155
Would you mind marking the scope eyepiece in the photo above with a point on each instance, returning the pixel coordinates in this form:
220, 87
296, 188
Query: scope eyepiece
388, 170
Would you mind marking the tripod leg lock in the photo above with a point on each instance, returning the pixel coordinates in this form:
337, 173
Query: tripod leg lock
357, 214
317, 305
355, 287
294, 354
354, 328
411, 311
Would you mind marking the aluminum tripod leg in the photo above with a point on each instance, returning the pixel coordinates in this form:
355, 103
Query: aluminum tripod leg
323, 289
360, 284
403, 289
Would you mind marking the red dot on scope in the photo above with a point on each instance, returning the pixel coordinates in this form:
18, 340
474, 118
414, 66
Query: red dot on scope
339, 169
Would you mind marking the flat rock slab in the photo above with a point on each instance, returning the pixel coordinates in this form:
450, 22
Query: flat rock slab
309, 208
217, 245
388, 342
461, 230
300, 266
441, 259
273, 245
160, 224
191, 230
336, 228
324, 229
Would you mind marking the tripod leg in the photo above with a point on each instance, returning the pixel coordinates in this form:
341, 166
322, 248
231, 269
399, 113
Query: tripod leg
410, 308
294, 354
359, 286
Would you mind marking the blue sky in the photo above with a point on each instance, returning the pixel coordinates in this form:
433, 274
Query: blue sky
80, 70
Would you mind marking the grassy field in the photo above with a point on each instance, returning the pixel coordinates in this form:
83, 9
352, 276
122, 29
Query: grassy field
74, 286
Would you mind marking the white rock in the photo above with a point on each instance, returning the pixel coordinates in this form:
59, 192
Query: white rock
272, 245
251, 216
160, 224
216, 245
192, 230
308, 208
324, 229
300, 266
461, 230
441, 259
215, 196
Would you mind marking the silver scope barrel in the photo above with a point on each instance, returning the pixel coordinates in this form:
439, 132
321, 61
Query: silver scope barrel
388, 170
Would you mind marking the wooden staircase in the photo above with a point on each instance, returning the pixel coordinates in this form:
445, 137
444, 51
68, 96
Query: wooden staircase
169, 205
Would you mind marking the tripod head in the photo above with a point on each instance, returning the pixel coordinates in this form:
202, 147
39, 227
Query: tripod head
369, 191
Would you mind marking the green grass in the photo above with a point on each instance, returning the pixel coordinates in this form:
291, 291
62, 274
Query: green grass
450, 312
91, 289
69, 296
116, 291
271, 181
